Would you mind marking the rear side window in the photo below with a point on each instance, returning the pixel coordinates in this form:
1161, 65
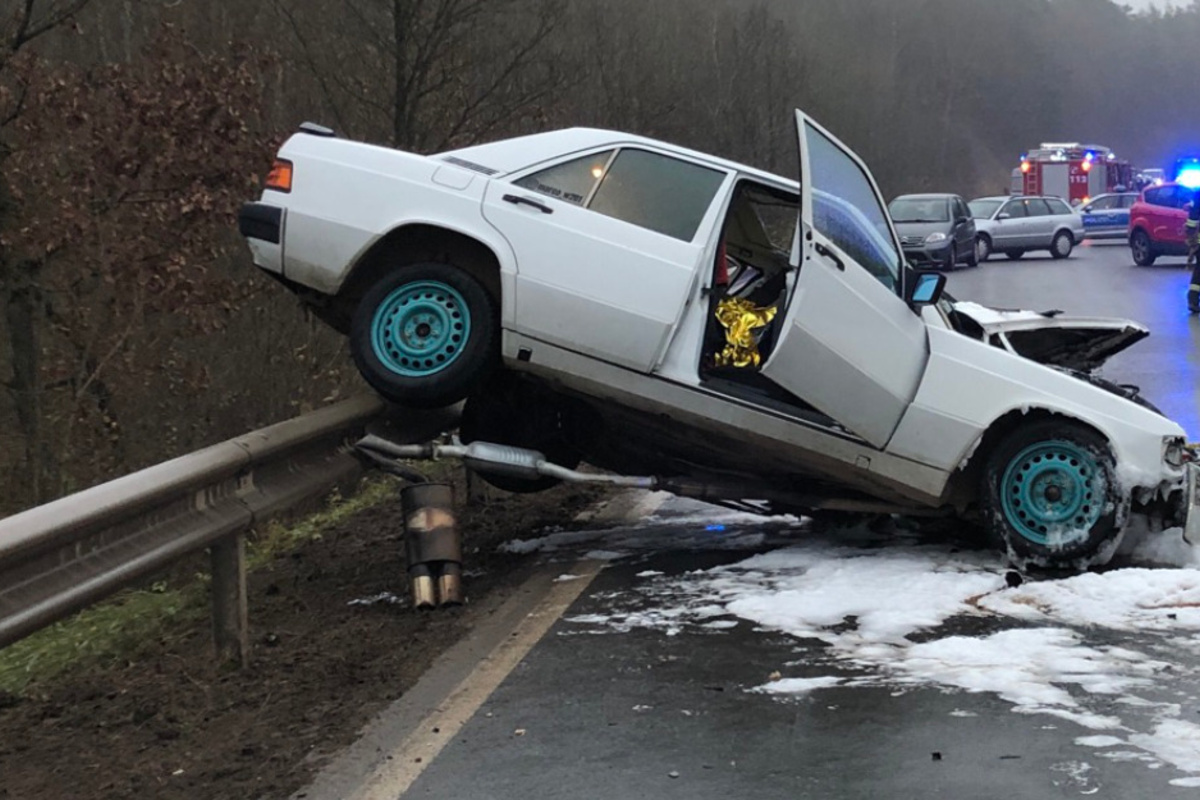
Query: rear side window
1183, 196
1057, 206
657, 192
1038, 208
572, 181
1155, 196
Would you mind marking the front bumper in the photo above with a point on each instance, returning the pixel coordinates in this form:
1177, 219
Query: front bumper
938, 254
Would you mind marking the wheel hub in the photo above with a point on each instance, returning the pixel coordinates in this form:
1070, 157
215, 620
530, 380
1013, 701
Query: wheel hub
1053, 493
420, 328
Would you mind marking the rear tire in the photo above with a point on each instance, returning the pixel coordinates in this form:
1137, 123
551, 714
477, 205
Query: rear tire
1142, 249
1062, 245
1051, 496
425, 335
983, 248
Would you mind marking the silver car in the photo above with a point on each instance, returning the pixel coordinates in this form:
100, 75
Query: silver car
1016, 225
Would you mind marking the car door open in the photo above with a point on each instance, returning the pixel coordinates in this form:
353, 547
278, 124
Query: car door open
849, 345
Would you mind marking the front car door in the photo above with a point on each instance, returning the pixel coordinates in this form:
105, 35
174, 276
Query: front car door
608, 248
850, 346
1010, 231
964, 225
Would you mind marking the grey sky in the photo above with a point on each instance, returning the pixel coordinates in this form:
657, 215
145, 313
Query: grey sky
1140, 4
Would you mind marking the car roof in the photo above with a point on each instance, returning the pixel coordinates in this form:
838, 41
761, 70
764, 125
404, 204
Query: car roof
1003, 197
513, 155
930, 196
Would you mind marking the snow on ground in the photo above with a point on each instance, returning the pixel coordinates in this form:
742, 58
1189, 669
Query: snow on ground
1092, 649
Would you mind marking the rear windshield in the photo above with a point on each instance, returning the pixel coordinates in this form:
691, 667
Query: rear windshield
911, 209
983, 209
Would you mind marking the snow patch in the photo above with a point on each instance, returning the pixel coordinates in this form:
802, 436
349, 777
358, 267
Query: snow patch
794, 686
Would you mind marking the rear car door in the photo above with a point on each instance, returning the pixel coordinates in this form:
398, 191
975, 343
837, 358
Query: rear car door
849, 344
608, 247
1169, 215
1040, 222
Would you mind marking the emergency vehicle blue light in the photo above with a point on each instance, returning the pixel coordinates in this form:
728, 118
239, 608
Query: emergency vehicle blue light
1189, 177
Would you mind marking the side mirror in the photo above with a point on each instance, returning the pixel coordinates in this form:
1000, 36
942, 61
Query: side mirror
1086, 210
926, 288
1003, 215
962, 220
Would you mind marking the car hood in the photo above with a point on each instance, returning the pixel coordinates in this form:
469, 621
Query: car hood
1079, 343
921, 229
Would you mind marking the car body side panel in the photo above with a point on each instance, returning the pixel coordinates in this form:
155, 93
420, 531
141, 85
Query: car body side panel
970, 384
833, 455
347, 195
594, 283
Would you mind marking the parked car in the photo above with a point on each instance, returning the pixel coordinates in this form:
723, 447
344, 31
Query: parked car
1156, 223
935, 229
1016, 225
1107, 216
752, 340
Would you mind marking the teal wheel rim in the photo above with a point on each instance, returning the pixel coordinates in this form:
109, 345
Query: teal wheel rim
1053, 493
420, 329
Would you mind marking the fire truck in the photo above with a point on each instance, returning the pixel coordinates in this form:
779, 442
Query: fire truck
1073, 171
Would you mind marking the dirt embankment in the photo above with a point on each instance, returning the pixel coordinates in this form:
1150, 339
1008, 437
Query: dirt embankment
174, 725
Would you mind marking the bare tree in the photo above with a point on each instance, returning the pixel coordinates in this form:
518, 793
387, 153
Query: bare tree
428, 73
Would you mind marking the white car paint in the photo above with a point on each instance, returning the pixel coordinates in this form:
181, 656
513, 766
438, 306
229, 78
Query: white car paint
617, 312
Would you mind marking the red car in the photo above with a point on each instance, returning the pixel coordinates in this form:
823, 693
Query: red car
1156, 223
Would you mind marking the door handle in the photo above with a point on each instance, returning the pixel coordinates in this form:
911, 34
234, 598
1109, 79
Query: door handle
529, 201
822, 250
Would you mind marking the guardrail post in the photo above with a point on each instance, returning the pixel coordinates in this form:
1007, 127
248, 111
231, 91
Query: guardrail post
230, 612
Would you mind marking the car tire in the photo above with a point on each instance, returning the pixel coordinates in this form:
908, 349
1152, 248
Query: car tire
973, 258
1014, 255
983, 248
1062, 245
951, 259
1142, 249
426, 335
1051, 497
510, 412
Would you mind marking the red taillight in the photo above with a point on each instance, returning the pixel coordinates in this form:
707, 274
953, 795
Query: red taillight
280, 176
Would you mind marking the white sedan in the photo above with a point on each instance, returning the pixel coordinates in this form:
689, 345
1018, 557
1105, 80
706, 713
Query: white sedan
748, 339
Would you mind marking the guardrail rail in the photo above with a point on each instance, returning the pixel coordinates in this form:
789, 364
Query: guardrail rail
63, 556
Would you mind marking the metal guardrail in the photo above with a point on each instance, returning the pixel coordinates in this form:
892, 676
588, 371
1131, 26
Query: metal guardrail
60, 557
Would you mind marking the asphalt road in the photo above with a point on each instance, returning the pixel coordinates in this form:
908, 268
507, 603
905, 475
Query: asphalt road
726, 657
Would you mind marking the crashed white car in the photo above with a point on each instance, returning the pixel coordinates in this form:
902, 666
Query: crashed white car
749, 340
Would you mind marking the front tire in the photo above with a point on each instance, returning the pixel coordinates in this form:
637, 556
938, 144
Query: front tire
1142, 249
951, 258
1014, 255
1051, 497
1062, 245
425, 336
973, 258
